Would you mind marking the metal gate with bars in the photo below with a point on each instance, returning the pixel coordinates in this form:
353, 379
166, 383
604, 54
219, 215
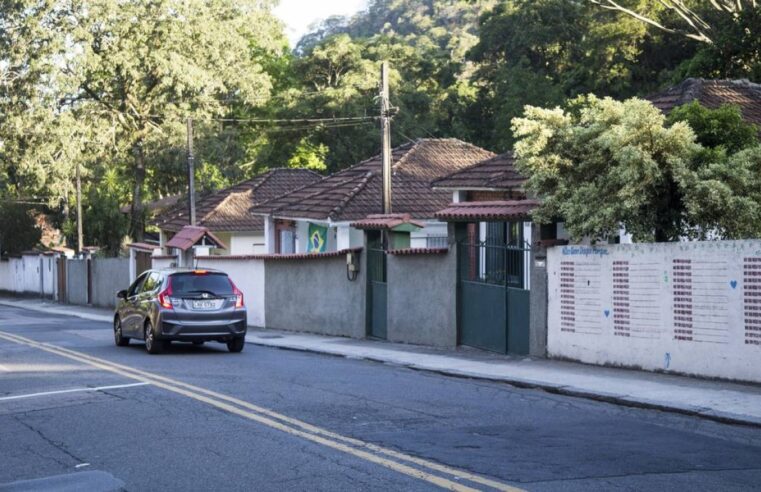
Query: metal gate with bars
493, 296
376, 292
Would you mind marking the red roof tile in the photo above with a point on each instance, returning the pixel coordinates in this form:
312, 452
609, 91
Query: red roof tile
712, 94
227, 210
355, 192
495, 173
487, 211
143, 246
190, 235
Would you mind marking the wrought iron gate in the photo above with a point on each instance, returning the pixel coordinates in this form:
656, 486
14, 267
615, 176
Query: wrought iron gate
376, 292
493, 296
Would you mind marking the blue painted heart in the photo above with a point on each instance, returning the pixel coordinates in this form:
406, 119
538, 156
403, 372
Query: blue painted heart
733, 283
607, 313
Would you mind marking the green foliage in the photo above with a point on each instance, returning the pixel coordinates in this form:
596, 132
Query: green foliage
603, 164
103, 223
723, 197
18, 229
309, 156
721, 127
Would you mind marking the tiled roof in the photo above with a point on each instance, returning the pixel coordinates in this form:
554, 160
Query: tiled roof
227, 210
486, 211
712, 94
143, 246
355, 192
496, 173
190, 235
388, 221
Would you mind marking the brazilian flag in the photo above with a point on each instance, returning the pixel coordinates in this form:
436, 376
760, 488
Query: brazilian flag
318, 238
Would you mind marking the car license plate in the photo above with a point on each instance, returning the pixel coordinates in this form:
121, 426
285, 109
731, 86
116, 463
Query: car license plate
204, 305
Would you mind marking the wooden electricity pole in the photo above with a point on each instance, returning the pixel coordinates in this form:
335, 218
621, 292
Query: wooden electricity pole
80, 240
191, 176
385, 115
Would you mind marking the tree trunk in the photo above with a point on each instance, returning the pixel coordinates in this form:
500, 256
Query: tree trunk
136, 224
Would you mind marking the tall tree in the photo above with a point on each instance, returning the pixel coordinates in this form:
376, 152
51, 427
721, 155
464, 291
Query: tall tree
142, 68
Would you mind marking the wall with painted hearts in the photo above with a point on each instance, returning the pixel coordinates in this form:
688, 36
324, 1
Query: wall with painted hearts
691, 308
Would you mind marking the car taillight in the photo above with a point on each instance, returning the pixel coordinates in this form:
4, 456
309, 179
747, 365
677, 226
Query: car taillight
237, 293
164, 300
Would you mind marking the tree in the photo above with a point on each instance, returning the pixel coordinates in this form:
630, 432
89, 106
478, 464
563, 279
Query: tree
723, 127
142, 68
695, 24
602, 164
18, 230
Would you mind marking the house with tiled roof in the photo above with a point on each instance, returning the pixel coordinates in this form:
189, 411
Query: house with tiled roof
226, 212
318, 217
713, 93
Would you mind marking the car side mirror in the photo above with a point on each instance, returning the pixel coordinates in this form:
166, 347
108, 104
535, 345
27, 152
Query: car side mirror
122, 294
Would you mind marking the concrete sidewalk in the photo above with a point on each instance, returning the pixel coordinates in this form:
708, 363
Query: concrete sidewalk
715, 400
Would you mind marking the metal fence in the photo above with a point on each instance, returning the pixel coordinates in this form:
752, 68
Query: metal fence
498, 264
437, 241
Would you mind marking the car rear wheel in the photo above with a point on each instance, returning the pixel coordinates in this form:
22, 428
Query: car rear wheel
152, 345
119, 339
236, 344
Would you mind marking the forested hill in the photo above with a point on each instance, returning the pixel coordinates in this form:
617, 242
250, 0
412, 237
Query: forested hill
110, 85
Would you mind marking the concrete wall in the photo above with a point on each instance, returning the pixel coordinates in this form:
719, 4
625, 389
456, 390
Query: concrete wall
76, 281
248, 276
109, 275
422, 299
29, 274
314, 295
162, 262
692, 308
246, 243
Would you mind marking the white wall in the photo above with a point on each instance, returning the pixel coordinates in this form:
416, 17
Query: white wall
692, 308
418, 239
23, 274
162, 262
246, 243
248, 276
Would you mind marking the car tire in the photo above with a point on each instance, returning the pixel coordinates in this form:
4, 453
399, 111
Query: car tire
236, 344
152, 345
119, 339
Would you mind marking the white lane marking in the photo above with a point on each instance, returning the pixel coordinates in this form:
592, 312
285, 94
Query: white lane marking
75, 390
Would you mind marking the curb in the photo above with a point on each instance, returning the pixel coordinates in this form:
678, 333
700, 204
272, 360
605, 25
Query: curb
556, 389
621, 400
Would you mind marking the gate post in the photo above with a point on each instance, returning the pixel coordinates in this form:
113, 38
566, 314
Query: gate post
538, 295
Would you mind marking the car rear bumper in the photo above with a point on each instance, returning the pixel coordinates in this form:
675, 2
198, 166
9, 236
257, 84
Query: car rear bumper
202, 331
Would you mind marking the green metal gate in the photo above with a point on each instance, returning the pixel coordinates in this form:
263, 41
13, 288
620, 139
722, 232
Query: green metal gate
376, 292
493, 298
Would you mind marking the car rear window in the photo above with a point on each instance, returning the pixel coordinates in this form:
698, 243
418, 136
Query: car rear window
194, 283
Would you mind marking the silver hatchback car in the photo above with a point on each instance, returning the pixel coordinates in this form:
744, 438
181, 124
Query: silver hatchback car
185, 305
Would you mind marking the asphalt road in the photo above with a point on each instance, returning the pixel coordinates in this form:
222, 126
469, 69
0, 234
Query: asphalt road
200, 418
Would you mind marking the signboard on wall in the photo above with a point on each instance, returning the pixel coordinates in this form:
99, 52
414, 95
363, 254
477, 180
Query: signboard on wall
686, 307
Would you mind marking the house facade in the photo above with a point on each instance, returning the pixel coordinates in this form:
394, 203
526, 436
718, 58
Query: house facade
226, 212
318, 217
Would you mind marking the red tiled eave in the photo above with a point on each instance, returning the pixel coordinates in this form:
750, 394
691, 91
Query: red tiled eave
488, 211
386, 222
190, 235
418, 251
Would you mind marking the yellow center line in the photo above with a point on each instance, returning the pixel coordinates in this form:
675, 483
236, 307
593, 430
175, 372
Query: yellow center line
308, 431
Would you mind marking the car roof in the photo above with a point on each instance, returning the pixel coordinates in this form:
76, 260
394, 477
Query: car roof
174, 270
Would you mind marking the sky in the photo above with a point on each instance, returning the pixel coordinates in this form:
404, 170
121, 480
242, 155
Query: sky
298, 15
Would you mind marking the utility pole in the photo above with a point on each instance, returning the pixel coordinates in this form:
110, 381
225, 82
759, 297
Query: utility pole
80, 240
385, 115
191, 175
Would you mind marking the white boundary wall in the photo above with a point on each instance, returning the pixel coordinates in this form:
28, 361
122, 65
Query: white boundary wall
22, 275
248, 276
692, 308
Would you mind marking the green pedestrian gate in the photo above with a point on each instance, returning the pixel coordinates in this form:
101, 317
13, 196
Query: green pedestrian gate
493, 298
376, 293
